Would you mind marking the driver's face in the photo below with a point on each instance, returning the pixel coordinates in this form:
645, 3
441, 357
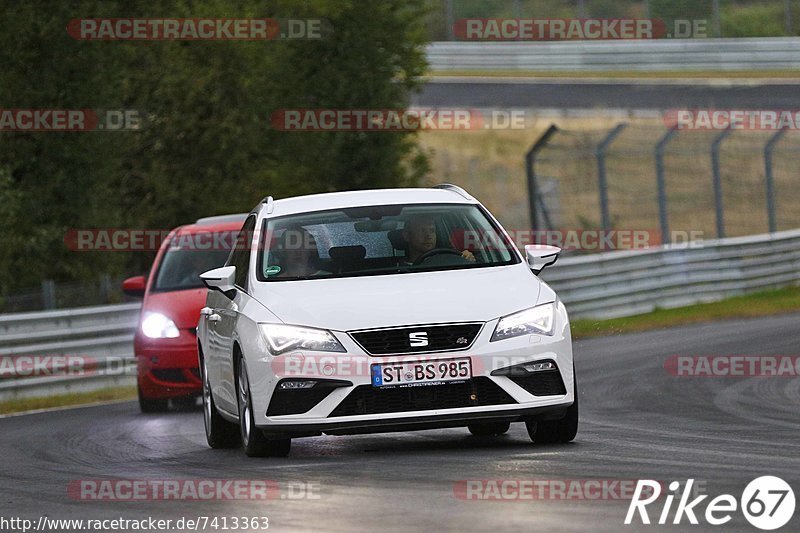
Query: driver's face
422, 237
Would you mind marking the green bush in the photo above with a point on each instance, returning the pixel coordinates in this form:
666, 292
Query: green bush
753, 20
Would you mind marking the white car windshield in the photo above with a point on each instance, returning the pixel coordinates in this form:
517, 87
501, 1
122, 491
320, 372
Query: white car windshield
379, 240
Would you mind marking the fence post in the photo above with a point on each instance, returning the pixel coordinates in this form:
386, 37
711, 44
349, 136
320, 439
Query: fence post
602, 184
718, 201
662, 185
449, 20
105, 288
768, 179
530, 171
49, 294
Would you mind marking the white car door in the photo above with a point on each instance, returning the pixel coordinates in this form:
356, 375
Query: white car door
223, 319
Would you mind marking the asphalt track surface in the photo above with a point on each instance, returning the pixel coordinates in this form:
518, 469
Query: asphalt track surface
582, 94
636, 422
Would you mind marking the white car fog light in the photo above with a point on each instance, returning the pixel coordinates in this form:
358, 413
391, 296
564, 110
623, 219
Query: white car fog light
295, 385
539, 367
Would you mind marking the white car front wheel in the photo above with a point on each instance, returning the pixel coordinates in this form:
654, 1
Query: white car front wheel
557, 431
255, 443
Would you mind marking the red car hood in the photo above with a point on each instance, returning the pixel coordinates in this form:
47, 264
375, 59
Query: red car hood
182, 307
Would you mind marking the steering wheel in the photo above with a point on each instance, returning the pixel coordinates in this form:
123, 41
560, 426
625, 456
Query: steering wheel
435, 251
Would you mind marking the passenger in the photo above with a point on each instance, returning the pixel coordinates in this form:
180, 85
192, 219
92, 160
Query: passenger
296, 254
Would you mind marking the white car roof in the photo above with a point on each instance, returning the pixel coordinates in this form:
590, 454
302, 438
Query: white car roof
336, 200
221, 219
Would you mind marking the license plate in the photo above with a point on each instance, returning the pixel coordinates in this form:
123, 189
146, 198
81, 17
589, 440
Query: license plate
421, 372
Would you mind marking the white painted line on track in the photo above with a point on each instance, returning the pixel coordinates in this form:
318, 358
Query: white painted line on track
63, 408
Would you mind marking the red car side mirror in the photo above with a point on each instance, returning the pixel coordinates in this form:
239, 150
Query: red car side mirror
134, 286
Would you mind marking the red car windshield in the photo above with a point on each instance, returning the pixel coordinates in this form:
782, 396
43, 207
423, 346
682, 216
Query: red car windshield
181, 266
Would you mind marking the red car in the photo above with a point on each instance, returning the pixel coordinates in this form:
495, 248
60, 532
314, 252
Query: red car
165, 343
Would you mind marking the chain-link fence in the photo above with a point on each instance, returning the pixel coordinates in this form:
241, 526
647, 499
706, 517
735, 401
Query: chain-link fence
645, 177
52, 295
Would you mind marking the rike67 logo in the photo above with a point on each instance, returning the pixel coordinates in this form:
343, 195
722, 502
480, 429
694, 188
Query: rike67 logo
767, 503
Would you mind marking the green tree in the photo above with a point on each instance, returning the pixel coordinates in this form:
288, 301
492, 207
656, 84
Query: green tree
206, 146
383, 66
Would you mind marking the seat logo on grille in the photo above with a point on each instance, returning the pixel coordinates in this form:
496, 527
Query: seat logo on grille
418, 338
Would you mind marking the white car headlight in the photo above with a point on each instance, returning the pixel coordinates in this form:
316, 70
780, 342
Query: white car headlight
157, 326
539, 320
282, 338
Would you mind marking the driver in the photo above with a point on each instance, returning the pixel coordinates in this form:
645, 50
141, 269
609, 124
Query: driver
420, 235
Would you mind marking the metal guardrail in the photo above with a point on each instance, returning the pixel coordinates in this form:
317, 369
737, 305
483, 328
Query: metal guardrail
616, 284
632, 55
599, 286
99, 339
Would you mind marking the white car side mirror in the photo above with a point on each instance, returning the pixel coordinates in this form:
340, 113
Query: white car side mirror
220, 279
540, 256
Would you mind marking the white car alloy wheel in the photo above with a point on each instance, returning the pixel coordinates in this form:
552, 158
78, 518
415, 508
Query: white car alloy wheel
206, 399
255, 443
244, 404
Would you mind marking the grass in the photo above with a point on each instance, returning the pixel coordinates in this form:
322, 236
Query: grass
677, 74
64, 400
490, 164
758, 304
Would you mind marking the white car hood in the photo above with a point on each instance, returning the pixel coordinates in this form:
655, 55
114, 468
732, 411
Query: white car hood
364, 302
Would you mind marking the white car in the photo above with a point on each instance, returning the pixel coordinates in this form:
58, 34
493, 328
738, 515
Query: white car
382, 310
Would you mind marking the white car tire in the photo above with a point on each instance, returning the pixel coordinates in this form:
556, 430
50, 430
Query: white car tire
255, 443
